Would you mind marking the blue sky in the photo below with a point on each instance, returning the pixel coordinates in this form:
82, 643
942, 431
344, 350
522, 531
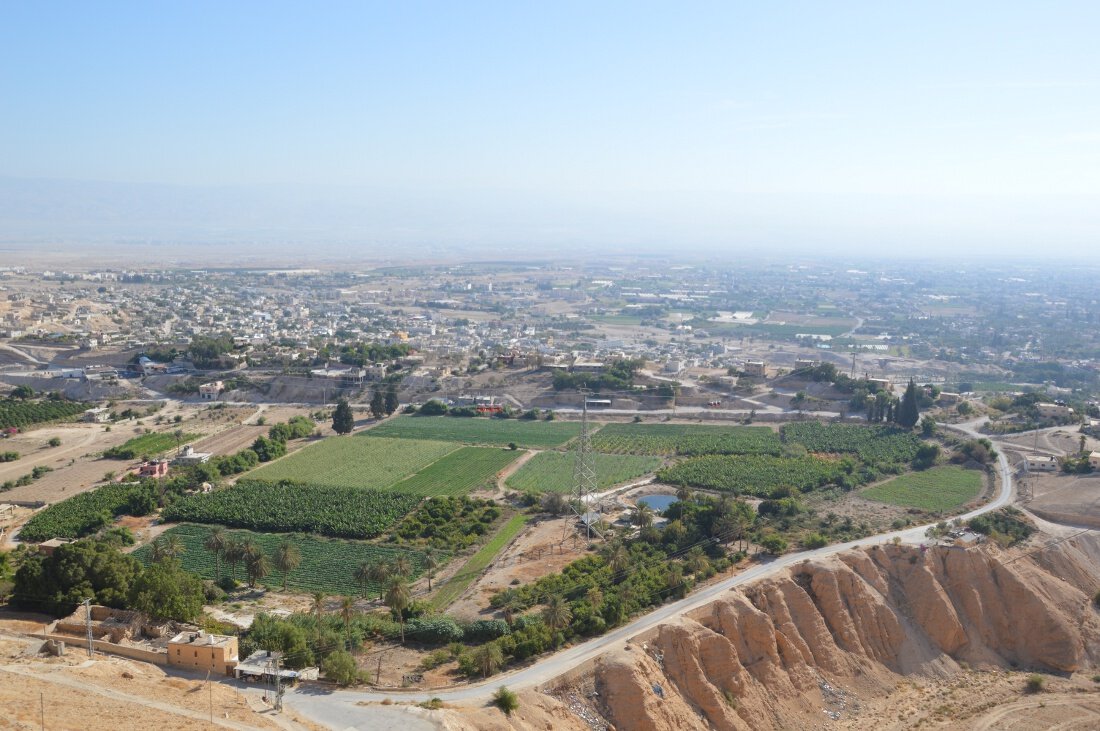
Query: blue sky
588, 112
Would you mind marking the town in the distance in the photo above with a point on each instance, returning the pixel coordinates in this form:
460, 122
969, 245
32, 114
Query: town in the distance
621, 493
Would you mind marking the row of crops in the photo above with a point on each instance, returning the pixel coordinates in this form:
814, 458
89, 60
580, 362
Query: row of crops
685, 439
875, 445
758, 475
553, 471
151, 444
21, 414
288, 507
328, 565
81, 514
370, 462
459, 472
479, 430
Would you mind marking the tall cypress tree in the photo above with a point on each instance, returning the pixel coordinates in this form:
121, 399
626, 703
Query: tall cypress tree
343, 421
908, 413
378, 404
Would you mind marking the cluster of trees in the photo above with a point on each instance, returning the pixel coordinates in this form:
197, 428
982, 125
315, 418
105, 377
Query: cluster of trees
96, 569
247, 553
384, 403
361, 354
618, 375
273, 445
209, 352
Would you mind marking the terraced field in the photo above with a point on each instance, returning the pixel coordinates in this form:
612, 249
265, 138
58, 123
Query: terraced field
939, 489
356, 461
478, 430
553, 471
328, 565
461, 471
685, 439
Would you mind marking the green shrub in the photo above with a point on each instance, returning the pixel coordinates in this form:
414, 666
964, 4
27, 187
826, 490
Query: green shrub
340, 667
815, 540
774, 544
487, 629
505, 700
1035, 683
433, 630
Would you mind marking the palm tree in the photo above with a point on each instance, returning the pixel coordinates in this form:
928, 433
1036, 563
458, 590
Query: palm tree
618, 559
234, 555
556, 613
215, 543
178, 434
168, 547
488, 658
318, 608
595, 597
256, 563
674, 580
431, 563
380, 573
402, 567
363, 576
346, 605
684, 494
643, 516
287, 558
398, 600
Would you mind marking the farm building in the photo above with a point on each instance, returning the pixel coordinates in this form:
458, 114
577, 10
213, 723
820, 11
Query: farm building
190, 457
156, 469
99, 415
210, 391
755, 368
1041, 463
204, 651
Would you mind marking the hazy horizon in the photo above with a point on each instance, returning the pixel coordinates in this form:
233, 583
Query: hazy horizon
712, 129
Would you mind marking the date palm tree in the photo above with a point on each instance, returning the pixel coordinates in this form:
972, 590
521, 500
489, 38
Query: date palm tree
256, 563
431, 563
363, 577
287, 558
215, 543
346, 605
619, 559
168, 547
398, 600
380, 573
318, 608
556, 614
402, 567
234, 555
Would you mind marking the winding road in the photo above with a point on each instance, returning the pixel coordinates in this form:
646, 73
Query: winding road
339, 708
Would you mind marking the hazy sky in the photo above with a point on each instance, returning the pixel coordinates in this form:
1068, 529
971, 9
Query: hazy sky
975, 123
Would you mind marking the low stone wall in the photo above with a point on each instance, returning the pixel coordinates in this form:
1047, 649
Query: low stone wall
110, 648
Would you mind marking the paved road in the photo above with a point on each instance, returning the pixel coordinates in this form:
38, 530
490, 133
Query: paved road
312, 704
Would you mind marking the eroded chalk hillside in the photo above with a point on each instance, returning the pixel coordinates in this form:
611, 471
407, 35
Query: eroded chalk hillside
818, 644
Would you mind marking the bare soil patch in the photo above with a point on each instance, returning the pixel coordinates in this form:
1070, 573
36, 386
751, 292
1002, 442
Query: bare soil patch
1073, 499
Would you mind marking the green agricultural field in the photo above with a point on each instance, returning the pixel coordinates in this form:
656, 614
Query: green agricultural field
553, 471
685, 439
328, 565
477, 563
21, 414
939, 489
478, 430
288, 507
461, 471
79, 515
752, 474
874, 445
356, 462
151, 444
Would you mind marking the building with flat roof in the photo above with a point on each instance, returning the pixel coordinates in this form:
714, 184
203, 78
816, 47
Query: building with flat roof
99, 415
190, 457
211, 391
200, 650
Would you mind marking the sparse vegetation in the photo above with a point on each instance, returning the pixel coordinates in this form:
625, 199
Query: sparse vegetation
506, 700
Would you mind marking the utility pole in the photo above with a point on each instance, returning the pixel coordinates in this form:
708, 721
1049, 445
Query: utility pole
42, 709
211, 689
278, 687
88, 624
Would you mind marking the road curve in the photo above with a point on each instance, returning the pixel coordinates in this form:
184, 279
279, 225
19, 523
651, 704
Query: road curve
312, 703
